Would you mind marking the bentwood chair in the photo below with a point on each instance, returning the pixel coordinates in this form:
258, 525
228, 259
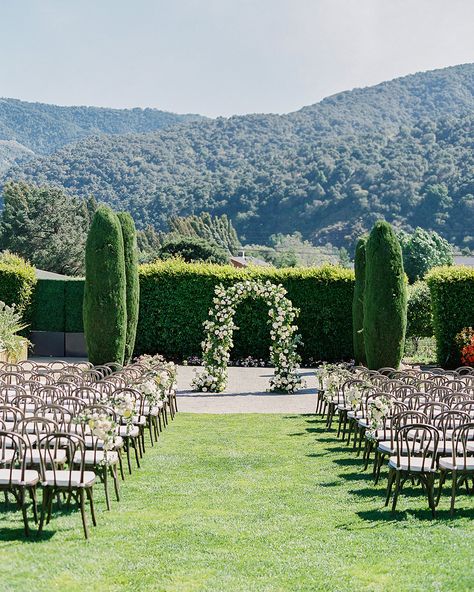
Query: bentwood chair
413, 445
74, 480
16, 478
460, 463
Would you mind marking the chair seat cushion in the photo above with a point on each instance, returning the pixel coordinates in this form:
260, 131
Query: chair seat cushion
461, 464
95, 457
386, 446
69, 478
132, 431
57, 456
417, 464
17, 477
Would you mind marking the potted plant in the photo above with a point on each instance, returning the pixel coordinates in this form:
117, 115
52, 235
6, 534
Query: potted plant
13, 347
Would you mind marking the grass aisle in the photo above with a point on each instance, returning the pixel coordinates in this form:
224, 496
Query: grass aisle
246, 502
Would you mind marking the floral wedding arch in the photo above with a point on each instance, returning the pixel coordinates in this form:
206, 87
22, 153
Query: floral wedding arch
220, 329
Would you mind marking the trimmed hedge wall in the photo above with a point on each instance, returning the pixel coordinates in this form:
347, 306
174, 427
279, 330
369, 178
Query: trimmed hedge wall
452, 300
57, 305
175, 298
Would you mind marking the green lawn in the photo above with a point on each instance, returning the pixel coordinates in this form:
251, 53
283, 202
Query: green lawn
246, 502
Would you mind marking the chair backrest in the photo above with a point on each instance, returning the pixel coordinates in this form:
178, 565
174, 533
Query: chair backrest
74, 404
87, 394
466, 405
417, 440
61, 415
19, 450
464, 370
462, 436
447, 421
27, 403
415, 400
11, 414
433, 408
35, 427
8, 393
11, 377
407, 417
70, 477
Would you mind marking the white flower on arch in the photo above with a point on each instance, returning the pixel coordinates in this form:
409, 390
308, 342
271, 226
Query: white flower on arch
220, 329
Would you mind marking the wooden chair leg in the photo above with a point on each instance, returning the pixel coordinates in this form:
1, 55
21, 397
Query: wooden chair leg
32, 492
442, 479
135, 448
44, 507
22, 501
453, 491
113, 470
122, 475
391, 476
83, 512
397, 491
91, 503
106, 486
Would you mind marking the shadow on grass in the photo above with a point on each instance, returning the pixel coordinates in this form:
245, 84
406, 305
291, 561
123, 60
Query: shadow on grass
18, 534
385, 514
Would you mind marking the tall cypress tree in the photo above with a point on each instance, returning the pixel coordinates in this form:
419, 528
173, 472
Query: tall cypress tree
358, 302
105, 311
385, 299
129, 234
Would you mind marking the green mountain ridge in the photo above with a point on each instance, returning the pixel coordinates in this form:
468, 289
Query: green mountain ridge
401, 150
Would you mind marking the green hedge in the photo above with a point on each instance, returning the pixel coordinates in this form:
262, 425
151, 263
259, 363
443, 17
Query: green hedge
419, 316
175, 298
17, 282
57, 305
452, 298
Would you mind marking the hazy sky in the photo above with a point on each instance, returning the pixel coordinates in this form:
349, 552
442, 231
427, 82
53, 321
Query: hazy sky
220, 57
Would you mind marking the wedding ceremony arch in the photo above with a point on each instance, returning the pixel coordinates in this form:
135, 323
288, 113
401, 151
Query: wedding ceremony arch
220, 330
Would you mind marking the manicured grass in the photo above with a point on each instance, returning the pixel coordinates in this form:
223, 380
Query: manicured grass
247, 502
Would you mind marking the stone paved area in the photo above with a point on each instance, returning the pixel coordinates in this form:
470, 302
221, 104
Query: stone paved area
245, 393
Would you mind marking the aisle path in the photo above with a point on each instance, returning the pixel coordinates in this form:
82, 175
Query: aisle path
245, 393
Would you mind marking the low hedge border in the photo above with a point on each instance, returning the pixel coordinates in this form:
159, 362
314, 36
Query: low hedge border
452, 301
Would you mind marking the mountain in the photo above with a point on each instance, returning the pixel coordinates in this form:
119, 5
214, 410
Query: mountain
402, 150
43, 129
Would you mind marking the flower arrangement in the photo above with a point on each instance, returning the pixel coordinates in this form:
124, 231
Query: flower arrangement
354, 396
123, 404
465, 341
331, 377
220, 329
104, 427
377, 410
159, 380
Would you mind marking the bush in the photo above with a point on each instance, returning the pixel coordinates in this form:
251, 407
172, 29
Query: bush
422, 251
133, 286
193, 249
452, 297
358, 302
17, 282
419, 317
175, 298
385, 299
73, 301
105, 308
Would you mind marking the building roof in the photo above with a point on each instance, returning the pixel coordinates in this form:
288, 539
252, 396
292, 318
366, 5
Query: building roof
243, 261
42, 274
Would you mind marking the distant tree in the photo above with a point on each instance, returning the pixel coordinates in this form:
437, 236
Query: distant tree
214, 229
45, 225
423, 250
149, 242
193, 249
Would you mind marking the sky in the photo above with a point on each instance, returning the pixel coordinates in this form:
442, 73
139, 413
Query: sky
221, 57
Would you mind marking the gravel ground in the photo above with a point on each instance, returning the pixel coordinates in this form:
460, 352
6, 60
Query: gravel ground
245, 393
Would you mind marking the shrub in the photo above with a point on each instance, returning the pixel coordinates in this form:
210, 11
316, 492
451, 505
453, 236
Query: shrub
17, 282
385, 298
358, 302
193, 249
73, 301
422, 251
175, 298
105, 312
452, 297
419, 317
133, 286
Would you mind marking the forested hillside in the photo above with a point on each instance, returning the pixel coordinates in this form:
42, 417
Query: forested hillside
44, 128
402, 150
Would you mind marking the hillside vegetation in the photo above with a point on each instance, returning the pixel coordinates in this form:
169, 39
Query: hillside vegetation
402, 150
